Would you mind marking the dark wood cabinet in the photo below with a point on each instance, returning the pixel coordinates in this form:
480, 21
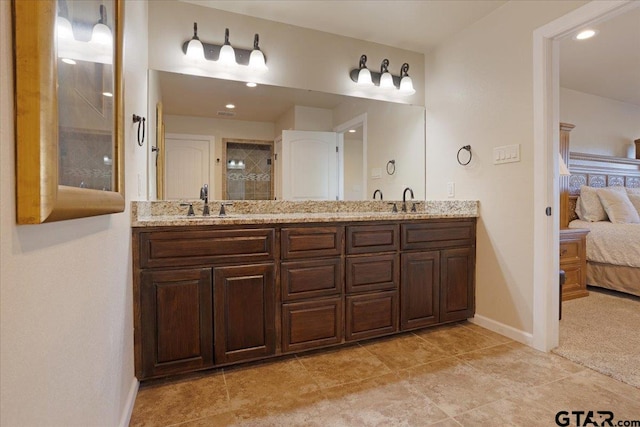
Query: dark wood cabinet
457, 293
244, 307
209, 296
419, 289
175, 310
312, 324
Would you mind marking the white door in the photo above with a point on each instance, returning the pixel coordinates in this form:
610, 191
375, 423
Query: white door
277, 169
186, 167
309, 165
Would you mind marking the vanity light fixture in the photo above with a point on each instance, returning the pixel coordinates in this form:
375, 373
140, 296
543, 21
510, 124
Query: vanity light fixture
98, 49
225, 54
383, 80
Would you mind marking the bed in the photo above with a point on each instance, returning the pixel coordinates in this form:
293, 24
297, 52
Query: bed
613, 249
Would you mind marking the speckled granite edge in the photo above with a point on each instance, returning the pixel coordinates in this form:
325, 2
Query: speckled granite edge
164, 213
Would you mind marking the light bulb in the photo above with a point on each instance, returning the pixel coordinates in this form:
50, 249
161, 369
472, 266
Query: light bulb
386, 81
406, 86
102, 35
195, 49
227, 55
63, 29
257, 62
364, 78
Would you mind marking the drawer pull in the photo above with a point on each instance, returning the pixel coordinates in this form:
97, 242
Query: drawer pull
563, 251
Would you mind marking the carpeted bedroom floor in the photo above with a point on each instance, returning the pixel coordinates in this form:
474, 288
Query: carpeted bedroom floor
602, 332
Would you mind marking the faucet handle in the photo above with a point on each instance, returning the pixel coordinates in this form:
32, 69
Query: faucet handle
394, 208
190, 211
413, 207
223, 212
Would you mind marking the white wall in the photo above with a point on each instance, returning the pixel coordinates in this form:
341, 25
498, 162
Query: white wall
353, 186
66, 328
603, 125
313, 119
155, 96
479, 92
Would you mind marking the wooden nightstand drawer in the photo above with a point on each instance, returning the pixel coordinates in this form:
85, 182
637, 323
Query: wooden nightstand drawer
573, 260
570, 251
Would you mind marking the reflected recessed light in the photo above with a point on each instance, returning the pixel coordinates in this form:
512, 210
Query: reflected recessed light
69, 61
107, 94
252, 84
352, 131
585, 34
230, 106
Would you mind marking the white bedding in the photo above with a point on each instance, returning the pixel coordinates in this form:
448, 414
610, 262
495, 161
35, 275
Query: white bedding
608, 243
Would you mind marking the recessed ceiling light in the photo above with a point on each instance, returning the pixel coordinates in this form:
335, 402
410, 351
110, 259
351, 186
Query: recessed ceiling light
107, 94
230, 106
352, 131
69, 61
585, 34
252, 84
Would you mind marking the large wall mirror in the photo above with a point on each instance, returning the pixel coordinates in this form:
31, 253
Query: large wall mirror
68, 67
268, 142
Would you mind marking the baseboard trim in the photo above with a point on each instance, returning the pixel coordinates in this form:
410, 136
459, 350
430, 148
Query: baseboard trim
125, 419
502, 329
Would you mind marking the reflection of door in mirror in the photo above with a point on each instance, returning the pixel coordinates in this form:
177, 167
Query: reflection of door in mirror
247, 171
187, 166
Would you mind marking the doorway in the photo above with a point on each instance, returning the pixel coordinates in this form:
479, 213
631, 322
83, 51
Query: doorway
546, 84
247, 169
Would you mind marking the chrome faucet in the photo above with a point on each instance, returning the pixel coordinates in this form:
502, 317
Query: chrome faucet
204, 195
376, 192
404, 200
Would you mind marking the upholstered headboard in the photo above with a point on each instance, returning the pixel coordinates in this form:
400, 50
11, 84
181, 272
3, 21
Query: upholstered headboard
599, 171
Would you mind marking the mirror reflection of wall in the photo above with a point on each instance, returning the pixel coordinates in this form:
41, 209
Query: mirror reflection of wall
385, 130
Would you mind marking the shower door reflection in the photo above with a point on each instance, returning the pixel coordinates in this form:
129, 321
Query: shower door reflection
248, 170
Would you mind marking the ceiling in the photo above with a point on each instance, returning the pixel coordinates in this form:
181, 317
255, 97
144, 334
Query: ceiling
607, 65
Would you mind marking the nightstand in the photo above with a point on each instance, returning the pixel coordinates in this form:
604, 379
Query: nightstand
573, 260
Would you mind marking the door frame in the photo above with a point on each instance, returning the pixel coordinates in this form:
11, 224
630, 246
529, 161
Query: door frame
360, 120
546, 134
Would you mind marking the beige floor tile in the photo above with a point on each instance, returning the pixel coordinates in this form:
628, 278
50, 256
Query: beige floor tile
289, 410
380, 401
449, 422
346, 365
457, 339
519, 367
486, 332
226, 419
455, 387
174, 403
405, 351
254, 384
578, 392
508, 412
596, 378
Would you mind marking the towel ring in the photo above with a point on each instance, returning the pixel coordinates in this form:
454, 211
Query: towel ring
468, 148
391, 167
140, 121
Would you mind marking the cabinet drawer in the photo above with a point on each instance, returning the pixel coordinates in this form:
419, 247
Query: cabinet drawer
180, 248
571, 251
575, 284
372, 273
371, 315
308, 242
311, 324
372, 238
432, 235
310, 279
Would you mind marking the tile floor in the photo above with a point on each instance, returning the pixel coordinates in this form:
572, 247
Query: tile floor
457, 375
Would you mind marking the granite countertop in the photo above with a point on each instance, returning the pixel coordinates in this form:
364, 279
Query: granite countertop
164, 213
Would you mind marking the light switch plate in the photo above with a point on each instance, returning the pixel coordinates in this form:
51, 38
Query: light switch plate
376, 173
451, 189
506, 154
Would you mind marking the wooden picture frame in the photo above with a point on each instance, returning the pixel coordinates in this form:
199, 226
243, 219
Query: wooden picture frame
40, 194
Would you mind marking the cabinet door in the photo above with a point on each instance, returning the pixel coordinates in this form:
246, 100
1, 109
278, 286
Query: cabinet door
244, 307
311, 324
457, 293
176, 321
371, 315
419, 289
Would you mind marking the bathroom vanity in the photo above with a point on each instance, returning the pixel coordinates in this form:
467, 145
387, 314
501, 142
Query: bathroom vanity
212, 291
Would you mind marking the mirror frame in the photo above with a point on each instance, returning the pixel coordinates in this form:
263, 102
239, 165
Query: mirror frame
39, 197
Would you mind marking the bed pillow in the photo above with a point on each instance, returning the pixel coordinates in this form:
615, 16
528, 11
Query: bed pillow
635, 201
578, 210
617, 205
590, 205
635, 191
